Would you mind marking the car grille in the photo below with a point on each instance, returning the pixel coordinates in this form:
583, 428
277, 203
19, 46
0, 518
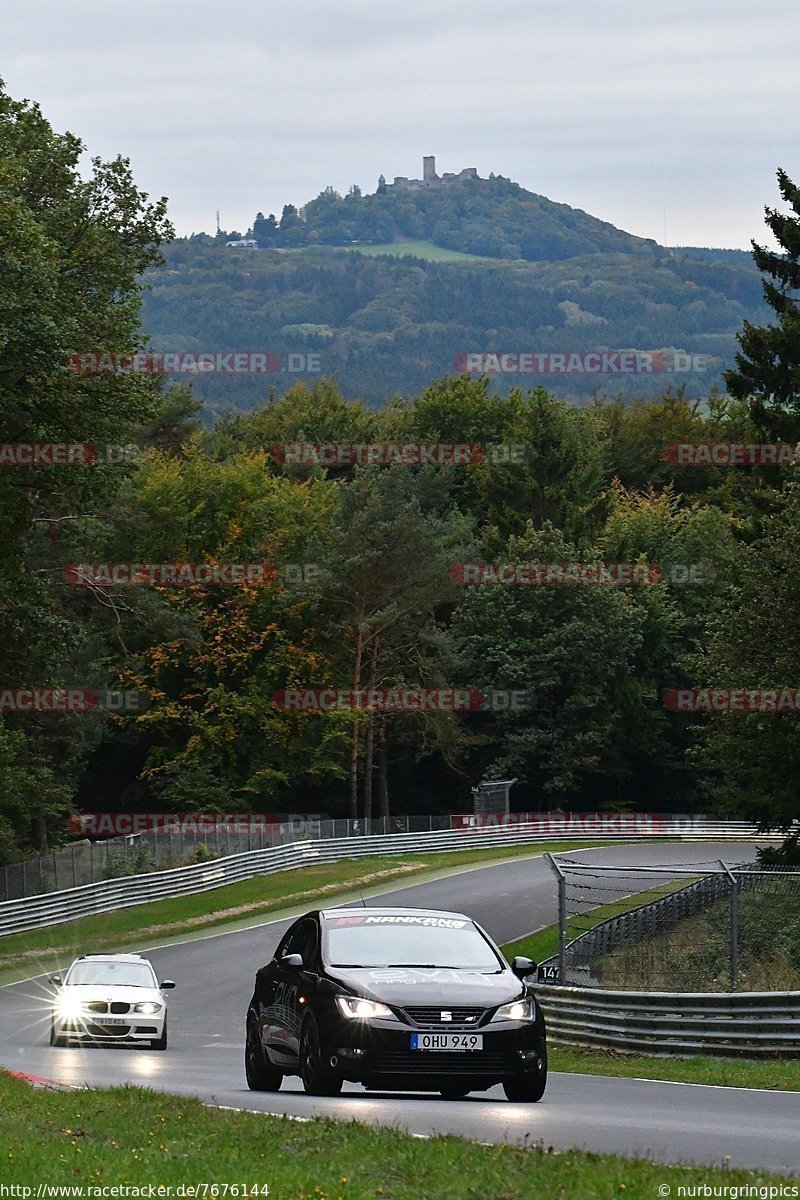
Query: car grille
435, 1062
100, 1006
430, 1017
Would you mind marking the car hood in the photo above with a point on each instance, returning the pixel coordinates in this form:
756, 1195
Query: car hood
402, 986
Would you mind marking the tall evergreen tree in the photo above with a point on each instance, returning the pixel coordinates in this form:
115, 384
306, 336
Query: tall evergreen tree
768, 365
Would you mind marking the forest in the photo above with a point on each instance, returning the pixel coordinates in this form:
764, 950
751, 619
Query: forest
197, 568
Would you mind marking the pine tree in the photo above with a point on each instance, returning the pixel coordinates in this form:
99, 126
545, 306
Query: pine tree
768, 365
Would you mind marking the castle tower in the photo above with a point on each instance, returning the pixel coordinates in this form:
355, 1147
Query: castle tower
429, 170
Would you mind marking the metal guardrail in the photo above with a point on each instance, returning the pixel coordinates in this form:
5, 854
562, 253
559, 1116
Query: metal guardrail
749, 1024
189, 838
55, 908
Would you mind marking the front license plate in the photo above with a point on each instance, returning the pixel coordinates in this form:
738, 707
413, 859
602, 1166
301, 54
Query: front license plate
446, 1041
109, 1021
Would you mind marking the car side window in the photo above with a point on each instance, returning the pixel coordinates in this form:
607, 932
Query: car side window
301, 939
308, 942
284, 946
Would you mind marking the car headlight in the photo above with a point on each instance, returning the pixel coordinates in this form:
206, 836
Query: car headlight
517, 1010
147, 1006
68, 1008
354, 1006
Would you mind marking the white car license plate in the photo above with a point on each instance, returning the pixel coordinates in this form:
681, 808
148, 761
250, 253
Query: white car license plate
446, 1041
109, 1021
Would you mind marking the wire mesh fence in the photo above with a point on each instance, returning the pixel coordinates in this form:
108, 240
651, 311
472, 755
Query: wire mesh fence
88, 861
700, 927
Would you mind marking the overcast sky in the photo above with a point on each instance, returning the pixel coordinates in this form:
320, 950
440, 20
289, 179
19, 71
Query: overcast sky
668, 115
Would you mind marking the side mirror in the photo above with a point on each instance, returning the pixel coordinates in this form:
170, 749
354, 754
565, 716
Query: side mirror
56, 979
167, 983
292, 960
522, 966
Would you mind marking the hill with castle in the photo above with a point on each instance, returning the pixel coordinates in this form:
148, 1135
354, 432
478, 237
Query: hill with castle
389, 290
459, 211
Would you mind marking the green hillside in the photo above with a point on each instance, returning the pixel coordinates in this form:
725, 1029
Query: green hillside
388, 292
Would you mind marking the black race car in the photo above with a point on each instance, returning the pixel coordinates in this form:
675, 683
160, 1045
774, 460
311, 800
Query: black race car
395, 998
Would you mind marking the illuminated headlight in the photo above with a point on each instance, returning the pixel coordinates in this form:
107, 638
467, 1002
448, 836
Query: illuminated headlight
517, 1010
147, 1006
354, 1006
68, 1008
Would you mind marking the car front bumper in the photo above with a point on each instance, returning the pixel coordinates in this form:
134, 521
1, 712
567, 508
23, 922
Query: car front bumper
134, 1028
378, 1055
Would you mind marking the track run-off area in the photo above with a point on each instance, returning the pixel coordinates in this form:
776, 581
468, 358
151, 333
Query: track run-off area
666, 1122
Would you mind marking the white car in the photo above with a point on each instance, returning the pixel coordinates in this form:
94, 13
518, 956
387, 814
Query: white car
110, 997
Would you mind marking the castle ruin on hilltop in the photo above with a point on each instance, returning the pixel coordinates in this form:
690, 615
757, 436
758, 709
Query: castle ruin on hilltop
429, 178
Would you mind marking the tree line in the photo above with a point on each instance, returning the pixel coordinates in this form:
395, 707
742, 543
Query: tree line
364, 587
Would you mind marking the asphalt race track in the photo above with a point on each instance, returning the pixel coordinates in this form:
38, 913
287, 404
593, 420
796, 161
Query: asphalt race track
667, 1122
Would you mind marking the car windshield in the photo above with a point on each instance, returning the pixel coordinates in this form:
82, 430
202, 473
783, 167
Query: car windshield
111, 974
366, 940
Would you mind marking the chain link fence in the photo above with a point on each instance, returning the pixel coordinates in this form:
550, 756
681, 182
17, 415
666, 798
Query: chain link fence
702, 927
91, 861
88, 861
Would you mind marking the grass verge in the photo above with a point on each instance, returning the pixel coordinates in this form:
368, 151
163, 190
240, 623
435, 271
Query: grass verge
544, 943
238, 904
136, 1137
768, 1074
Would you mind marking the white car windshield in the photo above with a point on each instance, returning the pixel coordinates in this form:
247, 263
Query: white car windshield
111, 974
408, 941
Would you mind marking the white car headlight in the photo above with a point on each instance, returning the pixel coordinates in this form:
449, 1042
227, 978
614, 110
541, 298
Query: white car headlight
68, 1008
517, 1010
147, 1006
354, 1006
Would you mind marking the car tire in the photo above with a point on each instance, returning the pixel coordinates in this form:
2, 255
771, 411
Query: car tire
57, 1039
160, 1043
528, 1089
261, 1075
455, 1092
319, 1078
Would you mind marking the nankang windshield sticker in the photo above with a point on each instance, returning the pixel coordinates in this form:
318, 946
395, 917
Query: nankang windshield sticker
427, 922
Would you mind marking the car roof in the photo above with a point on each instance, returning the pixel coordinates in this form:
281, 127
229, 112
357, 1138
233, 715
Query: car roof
387, 911
123, 958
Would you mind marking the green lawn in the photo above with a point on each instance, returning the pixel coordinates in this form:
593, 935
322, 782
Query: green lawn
421, 249
779, 1074
140, 1138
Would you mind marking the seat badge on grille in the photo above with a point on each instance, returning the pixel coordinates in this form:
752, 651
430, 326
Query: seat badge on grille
446, 1015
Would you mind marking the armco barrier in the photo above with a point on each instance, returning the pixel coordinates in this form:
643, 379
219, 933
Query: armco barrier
749, 1024
54, 908
142, 845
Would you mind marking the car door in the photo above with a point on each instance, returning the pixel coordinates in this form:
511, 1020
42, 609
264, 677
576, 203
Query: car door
285, 999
